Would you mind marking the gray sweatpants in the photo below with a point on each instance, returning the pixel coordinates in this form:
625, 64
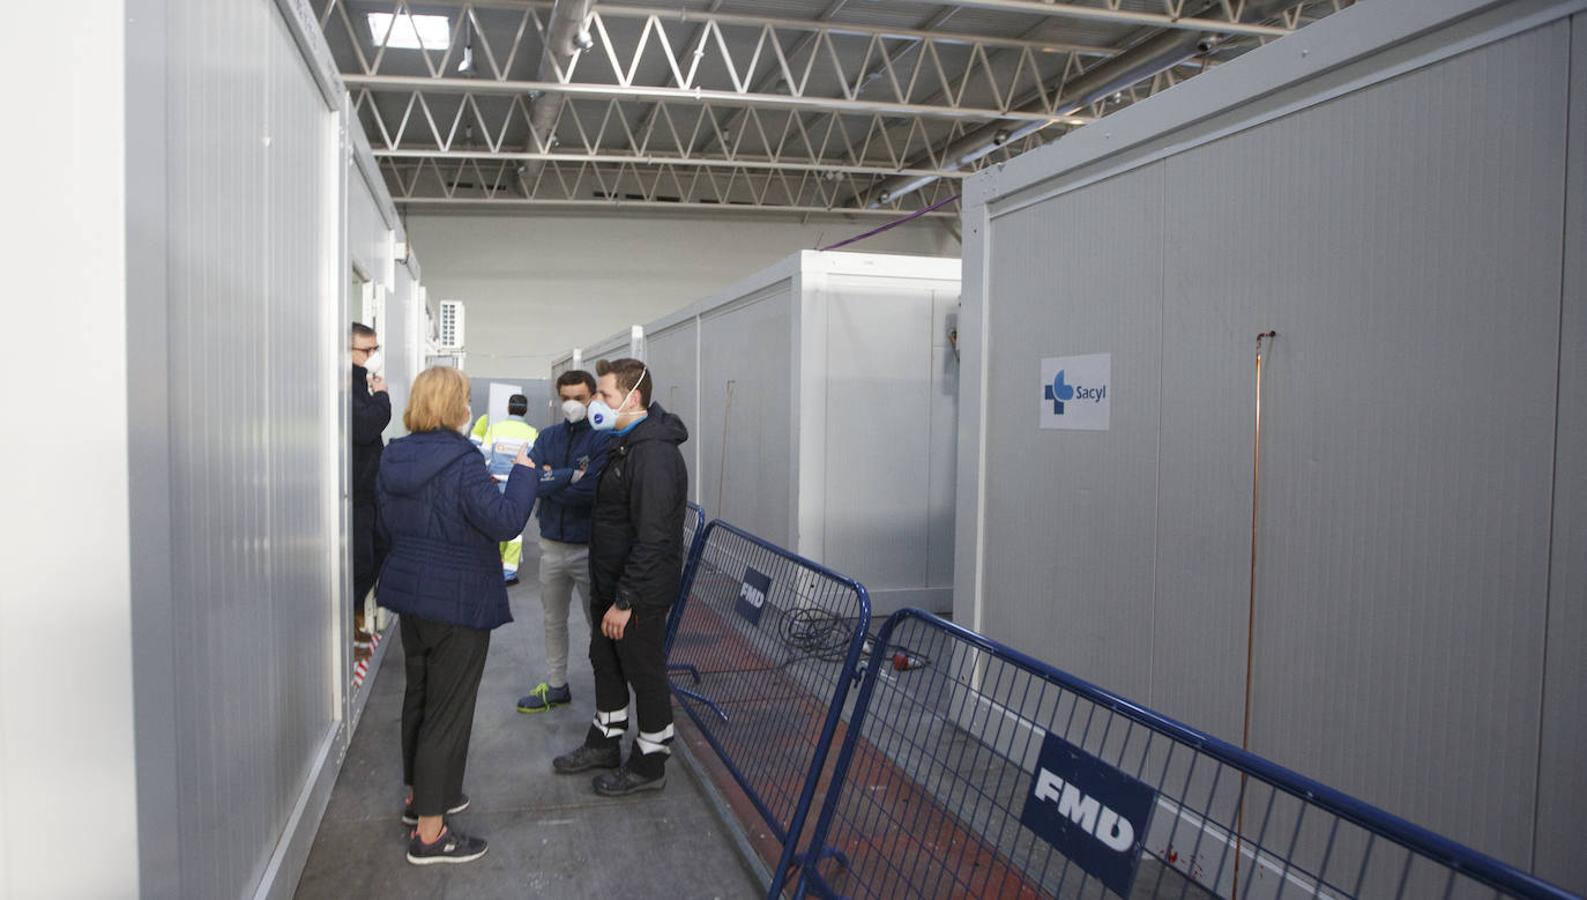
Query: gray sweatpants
561, 567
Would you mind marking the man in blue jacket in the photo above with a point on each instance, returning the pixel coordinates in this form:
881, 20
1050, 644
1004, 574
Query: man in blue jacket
571, 455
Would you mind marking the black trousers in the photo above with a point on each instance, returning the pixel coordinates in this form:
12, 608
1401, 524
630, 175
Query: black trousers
636, 662
444, 664
369, 551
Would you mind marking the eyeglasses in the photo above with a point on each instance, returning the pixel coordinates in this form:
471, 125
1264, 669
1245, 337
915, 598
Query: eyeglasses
367, 349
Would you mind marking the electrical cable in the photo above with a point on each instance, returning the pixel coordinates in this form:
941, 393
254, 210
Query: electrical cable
1250, 624
721, 469
815, 634
891, 224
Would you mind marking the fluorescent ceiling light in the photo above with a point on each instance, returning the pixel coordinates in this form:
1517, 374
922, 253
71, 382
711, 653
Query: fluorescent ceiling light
407, 30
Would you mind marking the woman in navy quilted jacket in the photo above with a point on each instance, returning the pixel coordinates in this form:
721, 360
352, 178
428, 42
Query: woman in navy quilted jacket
444, 519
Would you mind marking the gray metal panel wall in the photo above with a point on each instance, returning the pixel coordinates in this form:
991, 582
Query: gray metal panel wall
674, 354
943, 434
1404, 535
886, 514
253, 610
1070, 515
544, 408
535, 390
614, 346
744, 424
1411, 265
1562, 778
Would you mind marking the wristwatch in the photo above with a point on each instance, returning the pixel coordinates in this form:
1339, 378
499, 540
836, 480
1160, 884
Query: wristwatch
622, 603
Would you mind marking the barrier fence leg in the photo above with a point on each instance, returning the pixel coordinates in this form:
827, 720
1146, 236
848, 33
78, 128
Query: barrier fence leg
684, 667
702, 699
840, 770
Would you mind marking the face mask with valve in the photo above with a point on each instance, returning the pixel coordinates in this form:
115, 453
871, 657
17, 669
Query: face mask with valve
573, 411
603, 417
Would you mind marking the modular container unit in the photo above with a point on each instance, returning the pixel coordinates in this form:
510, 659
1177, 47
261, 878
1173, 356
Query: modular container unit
234, 197
820, 396
573, 360
672, 347
1398, 191
401, 336
629, 342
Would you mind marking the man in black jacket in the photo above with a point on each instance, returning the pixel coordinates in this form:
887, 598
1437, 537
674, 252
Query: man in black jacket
636, 567
371, 414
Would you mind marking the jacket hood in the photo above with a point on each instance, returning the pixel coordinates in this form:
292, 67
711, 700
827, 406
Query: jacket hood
659, 425
409, 463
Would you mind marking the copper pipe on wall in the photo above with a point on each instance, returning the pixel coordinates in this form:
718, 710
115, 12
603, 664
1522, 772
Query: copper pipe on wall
1250, 616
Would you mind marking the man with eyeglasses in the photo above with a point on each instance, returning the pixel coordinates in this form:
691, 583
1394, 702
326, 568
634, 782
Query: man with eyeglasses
371, 414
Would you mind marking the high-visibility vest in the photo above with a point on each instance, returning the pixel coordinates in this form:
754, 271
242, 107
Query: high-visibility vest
503, 440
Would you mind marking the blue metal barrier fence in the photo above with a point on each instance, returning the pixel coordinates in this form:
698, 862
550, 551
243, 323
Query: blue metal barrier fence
972, 770
770, 642
693, 537
693, 527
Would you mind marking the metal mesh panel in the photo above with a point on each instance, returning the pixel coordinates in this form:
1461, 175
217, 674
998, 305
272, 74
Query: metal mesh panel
693, 524
960, 741
693, 534
766, 646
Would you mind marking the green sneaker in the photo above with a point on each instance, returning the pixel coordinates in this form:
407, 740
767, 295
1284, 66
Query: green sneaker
545, 697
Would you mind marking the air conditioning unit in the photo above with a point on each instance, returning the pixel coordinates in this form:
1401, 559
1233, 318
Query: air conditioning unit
451, 338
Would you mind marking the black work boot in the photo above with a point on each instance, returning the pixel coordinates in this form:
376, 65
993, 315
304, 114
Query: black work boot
586, 757
626, 781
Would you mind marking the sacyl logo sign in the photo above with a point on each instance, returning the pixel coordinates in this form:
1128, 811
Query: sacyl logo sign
1059, 393
752, 595
1074, 392
1089, 811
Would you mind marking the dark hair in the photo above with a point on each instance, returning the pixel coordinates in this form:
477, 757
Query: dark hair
362, 330
631, 374
576, 376
517, 405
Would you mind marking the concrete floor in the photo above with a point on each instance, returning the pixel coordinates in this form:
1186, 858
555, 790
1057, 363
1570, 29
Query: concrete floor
550, 836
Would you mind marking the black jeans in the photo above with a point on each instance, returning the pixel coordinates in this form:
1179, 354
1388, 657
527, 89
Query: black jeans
637, 662
369, 551
444, 664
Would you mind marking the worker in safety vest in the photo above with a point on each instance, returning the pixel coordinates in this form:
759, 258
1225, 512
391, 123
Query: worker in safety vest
477, 433
501, 443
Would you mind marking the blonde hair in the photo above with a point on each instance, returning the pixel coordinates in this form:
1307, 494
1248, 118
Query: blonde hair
437, 400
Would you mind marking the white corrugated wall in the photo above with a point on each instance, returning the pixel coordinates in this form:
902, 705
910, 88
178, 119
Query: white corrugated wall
254, 590
249, 210
371, 221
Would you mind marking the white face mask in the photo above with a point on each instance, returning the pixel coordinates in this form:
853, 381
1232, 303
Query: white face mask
376, 363
603, 417
573, 410
467, 428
